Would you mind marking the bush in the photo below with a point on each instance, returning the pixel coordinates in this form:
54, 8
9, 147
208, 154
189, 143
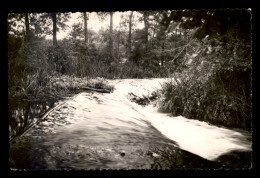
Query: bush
132, 70
211, 93
58, 57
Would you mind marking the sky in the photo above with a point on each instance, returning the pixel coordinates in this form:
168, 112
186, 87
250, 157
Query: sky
94, 23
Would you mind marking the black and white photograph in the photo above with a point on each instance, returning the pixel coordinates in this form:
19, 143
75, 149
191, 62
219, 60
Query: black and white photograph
130, 90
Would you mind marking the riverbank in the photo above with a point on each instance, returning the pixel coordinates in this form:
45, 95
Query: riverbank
29, 102
107, 131
199, 137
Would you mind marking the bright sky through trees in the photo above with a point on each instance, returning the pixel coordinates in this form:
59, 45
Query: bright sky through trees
94, 22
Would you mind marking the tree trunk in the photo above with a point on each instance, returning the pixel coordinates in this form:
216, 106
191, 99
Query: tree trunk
86, 27
163, 29
111, 36
111, 53
27, 32
130, 34
54, 31
146, 27
118, 45
84, 61
162, 58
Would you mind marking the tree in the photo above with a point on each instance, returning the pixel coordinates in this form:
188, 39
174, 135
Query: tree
146, 27
58, 21
102, 15
76, 32
18, 33
130, 34
39, 25
214, 23
56, 54
118, 40
83, 58
15, 24
79, 48
219, 76
153, 39
111, 37
27, 32
54, 28
85, 27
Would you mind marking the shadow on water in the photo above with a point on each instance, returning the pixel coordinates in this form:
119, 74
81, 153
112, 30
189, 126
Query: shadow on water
22, 114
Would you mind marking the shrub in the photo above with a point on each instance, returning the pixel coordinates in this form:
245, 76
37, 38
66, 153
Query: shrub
218, 95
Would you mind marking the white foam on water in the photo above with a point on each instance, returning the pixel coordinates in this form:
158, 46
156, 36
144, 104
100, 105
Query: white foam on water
118, 111
195, 136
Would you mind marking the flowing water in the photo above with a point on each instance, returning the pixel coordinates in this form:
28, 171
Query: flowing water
107, 131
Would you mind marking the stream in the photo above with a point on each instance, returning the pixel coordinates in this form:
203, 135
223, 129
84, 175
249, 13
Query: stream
107, 131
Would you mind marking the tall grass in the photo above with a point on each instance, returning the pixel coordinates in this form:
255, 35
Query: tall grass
216, 95
32, 96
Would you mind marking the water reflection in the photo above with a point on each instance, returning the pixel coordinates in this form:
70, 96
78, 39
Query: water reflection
22, 114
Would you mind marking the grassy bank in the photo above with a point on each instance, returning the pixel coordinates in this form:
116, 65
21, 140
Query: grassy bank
32, 97
219, 97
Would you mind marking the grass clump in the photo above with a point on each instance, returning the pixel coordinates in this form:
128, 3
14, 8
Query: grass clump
216, 95
30, 97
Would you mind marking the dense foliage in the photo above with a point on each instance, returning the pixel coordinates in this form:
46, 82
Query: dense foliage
216, 87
